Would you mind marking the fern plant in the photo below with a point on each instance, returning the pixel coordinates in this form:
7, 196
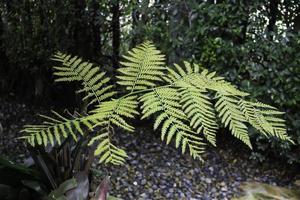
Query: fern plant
186, 103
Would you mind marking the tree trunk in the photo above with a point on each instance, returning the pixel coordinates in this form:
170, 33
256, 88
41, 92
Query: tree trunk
115, 25
273, 15
3, 57
135, 15
81, 36
96, 29
297, 20
177, 14
28, 30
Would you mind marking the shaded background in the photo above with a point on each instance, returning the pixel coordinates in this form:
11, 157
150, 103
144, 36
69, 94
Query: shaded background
255, 44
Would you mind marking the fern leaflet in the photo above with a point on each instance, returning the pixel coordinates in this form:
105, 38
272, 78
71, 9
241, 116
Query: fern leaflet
93, 81
53, 129
108, 114
263, 118
195, 103
143, 67
165, 102
232, 117
200, 111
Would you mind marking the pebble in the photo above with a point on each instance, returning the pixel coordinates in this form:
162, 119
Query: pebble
143, 182
208, 180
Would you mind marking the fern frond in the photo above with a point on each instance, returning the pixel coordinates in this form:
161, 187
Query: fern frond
115, 111
55, 128
182, 108
199, 110
195, 75
165, 102
108, 114
231, 116
93, 81
143, 67
264, 118
107, 151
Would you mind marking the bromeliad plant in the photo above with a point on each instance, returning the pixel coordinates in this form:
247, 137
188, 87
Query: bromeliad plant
186, 103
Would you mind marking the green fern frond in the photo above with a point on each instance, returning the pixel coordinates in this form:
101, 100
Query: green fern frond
194, 81
264, 118
231, 116
194, 75
165, 102
107, 151
108, 114
55, 128
93, 81
115, 111
143, 67
199, 110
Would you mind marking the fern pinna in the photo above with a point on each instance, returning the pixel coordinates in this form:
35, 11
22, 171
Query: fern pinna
186, 102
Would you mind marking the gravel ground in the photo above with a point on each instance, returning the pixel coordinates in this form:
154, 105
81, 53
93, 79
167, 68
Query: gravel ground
13, 116
156, 171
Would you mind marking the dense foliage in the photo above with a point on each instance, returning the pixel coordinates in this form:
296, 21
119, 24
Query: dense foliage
253, 42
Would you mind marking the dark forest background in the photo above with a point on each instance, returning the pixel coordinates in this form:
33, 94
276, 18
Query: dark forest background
255, 44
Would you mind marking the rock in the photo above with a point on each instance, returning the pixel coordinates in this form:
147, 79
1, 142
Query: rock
208, 180
143, 182
224, 189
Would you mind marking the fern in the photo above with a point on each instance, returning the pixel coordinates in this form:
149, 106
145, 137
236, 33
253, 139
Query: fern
143, 68
93, 81
186, 105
